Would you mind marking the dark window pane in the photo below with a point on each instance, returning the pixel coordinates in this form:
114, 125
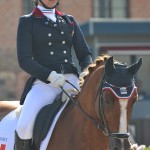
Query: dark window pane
113, 8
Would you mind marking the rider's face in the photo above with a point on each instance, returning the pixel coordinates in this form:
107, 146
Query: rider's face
49, 3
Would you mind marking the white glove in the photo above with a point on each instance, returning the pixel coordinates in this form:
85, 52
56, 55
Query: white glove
56, 79
82, 74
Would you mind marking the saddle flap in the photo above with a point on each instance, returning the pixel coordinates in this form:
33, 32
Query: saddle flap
44, 120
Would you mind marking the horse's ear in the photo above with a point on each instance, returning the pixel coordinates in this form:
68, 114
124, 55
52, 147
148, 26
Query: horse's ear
135, 67
109, 66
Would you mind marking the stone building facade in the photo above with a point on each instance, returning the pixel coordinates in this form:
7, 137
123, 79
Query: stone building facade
140, 9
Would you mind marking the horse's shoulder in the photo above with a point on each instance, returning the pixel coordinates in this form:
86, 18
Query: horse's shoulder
6, 107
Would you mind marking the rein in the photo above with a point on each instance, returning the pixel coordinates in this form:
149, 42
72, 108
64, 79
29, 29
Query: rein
77, 104
101, 110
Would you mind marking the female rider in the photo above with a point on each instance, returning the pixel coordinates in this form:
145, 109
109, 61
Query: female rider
44, 41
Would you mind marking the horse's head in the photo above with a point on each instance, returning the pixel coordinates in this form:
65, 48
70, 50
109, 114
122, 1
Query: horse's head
117, 95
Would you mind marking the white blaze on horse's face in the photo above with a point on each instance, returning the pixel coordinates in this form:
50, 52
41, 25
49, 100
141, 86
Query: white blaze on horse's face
123, 115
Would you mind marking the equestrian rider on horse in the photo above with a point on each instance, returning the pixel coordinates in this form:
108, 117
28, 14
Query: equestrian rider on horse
44, 43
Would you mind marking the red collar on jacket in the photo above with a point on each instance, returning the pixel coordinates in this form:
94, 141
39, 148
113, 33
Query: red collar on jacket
38, 13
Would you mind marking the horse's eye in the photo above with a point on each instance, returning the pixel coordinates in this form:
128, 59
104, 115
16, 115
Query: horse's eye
108, 100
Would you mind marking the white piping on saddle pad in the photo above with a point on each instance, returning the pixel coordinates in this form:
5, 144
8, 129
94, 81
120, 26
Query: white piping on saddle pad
45, 142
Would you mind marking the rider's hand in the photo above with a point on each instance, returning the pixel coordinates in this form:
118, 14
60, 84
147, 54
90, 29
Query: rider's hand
82, 74
69, 92
56, 79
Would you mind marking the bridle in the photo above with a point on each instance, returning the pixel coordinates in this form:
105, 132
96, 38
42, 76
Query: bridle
101, 124
116, 140
121, 92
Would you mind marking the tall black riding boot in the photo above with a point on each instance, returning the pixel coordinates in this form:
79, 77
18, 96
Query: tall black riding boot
21, 144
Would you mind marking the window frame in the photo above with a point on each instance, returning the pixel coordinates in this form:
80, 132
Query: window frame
100, 7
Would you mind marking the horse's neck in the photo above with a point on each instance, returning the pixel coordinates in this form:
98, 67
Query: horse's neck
87, 102
89, 91
76, 127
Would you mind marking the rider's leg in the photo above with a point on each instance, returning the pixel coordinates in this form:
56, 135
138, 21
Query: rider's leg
40, 95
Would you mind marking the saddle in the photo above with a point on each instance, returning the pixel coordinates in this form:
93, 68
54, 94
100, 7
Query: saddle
44, 120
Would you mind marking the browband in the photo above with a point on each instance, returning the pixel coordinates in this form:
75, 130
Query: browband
119, 92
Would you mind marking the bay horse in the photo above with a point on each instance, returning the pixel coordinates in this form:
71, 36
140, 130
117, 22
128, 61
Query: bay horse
99, 116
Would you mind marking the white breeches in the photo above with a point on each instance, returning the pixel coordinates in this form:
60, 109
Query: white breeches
40, 95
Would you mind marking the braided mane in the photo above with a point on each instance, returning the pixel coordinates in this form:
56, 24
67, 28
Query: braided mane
87, 71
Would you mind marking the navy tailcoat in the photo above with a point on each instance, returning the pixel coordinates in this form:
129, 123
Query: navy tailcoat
44, 46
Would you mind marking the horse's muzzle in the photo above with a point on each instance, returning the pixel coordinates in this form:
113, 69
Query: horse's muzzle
119, 141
